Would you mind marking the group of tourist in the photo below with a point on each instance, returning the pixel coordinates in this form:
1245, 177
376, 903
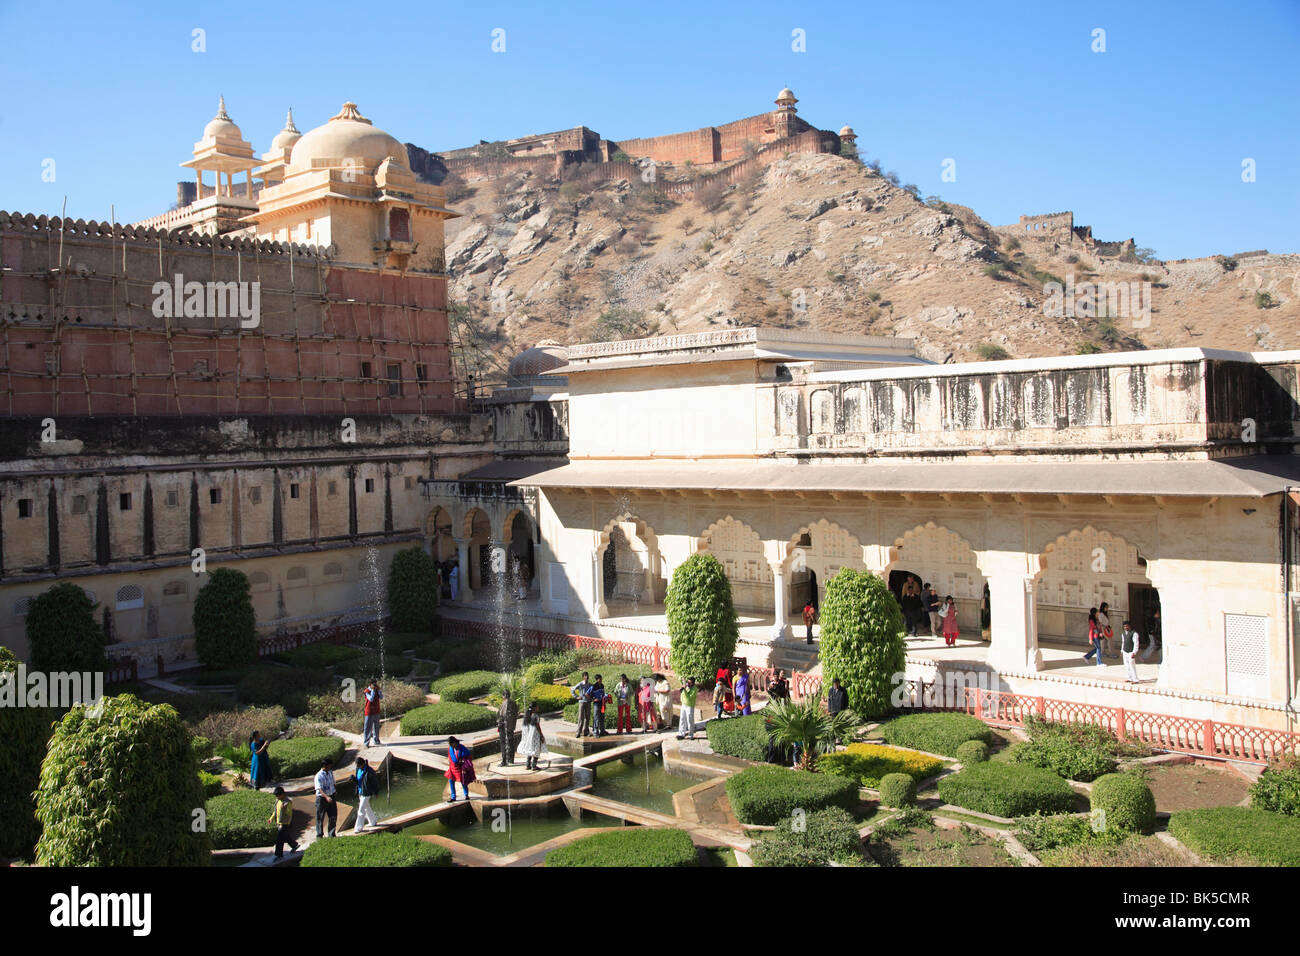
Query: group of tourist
732, 695
922, 605
652, 698
1100, 634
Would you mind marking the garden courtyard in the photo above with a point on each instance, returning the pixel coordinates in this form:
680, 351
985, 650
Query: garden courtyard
811, 780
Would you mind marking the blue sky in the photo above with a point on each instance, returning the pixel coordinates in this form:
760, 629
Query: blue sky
1146, 139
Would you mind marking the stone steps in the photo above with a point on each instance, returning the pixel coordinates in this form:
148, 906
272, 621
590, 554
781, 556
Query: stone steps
793, 655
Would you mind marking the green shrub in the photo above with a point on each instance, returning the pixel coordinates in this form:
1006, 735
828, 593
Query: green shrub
702, 625
820, 837
202, 747
1007, 790
1126, 800
1074, 751
62, 632
413, 590
367, 667
869, 763
635, 846
898, 790
972, 751
1278, 788
435, 720
459, 688
240, 819
212, 784
397, 642
935, 733
903, 822
120, 789
611, 671
549, 697
376, 849
767, 794
1040, 833
290, 687
233, 728
318, 656
743, 737
225, 627
543, 672
301, 756
1239, 834
862, 639
466, 656
24, 732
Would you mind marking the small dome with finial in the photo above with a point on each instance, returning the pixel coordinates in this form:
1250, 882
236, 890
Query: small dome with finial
222, 126
786, 99
846, 132
287, 136
541, 359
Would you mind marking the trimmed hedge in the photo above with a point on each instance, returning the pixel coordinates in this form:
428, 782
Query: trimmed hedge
701, 618
1054, 833
823, 836
936, 733
869, 763
543, 672
376, 849
290, 687
1126, 800
211, 784
1007, 790
1230, 833
239, 819
973, 751
635, 846
549, 697
862, 640
459, 688
301, 756
743, 737
1278, 788
332, 709
766, 795
446, 718
898, 790
612, 672
318, 656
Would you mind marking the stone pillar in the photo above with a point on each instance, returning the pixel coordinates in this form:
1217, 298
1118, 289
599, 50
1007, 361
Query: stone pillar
1014, 625
598, 584
781, 596
462, 559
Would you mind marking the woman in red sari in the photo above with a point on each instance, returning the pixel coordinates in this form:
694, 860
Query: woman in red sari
724, 679
460, 767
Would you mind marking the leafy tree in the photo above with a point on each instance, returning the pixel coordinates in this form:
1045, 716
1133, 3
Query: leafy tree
620, 322
121, 789
225, 627
849, 150
62, 632
862, 639
413, 591
991, 352
25, 731
701, 618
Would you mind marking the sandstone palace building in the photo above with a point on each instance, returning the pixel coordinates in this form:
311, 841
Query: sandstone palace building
305, 448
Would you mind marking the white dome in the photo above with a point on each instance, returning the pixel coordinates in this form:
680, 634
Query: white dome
287, 136
347, 139
222, 125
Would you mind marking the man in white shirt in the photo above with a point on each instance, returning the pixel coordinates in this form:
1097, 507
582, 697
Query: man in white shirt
325, 803
1130, 643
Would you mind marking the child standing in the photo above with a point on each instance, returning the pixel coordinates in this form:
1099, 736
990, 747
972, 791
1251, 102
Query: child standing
282, 817
949, 615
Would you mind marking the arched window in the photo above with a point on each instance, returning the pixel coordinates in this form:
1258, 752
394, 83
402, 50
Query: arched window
259, 581
296, 577
333, 569
129, 597
175, 589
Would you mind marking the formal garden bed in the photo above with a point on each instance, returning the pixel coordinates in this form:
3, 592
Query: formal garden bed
1191, 786
376, 850
433, 720
1242, 836
631, 847
913, 838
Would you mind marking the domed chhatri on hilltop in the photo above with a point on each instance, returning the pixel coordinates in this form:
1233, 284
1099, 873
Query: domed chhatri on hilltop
786, 100
224, 151
287, 136
348, 139
537, 362
847, 134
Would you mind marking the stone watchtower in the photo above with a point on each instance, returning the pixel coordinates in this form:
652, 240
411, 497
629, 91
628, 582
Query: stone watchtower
784, 119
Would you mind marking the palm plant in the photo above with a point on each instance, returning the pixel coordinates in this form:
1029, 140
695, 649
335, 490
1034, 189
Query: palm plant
803, 723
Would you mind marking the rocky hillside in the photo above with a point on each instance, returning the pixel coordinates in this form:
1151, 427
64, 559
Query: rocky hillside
820, 242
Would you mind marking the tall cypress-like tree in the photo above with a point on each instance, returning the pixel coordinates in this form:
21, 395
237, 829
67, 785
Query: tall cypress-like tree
413, 591
225, 627
62, 632
862, 640
24, 731
701, 617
